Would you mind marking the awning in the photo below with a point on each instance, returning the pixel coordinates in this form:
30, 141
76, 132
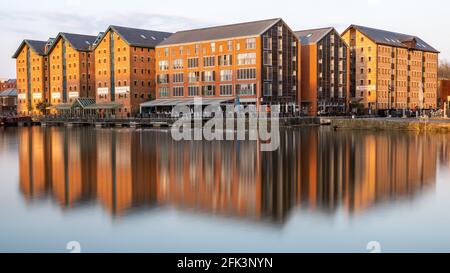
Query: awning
12, 92
103, 106
63, 106
79, 102
184, 102
84, 102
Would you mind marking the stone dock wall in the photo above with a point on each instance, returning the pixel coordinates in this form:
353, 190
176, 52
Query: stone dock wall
442, 126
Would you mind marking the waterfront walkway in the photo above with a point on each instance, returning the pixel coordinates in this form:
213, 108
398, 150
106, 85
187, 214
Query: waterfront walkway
153, 122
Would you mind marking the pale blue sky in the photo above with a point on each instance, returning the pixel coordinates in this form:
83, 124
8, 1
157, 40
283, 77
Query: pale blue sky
20, 19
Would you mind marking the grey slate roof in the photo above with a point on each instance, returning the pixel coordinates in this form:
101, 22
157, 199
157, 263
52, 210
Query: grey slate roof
84, 102
36, 46
79, 42
220, 32
393, 38
140, 37
12, 92
312, 36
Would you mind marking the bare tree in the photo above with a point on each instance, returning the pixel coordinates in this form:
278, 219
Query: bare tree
444, 69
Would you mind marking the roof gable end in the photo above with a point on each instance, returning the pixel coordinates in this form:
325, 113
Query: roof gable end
37, 46
395, 39
79, 42
313, 36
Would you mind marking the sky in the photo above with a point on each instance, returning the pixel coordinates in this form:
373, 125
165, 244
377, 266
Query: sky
39, 20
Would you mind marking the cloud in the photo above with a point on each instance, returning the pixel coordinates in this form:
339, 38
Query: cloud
48, 24
374, 3
73, 3
19, 25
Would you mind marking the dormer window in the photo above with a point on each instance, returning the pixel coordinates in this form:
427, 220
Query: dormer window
143, 36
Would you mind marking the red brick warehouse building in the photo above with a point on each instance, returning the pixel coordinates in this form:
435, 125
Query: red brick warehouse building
444, 93
257, 63
125, 69
7, 84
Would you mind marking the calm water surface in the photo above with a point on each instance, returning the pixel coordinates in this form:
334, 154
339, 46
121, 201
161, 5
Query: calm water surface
124, 190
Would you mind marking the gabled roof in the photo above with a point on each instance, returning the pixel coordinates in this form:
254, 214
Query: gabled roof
12, 92
8, 81
312, 36
220, 32
393, 39
138, 37
36, 46
84, 102
79, 42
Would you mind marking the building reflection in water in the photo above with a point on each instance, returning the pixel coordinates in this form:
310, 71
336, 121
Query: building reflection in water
315, 169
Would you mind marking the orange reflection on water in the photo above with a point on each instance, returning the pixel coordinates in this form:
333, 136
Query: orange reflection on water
316, 169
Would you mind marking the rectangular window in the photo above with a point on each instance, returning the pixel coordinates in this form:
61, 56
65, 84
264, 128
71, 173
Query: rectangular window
230, 45
163, 78
245, 89
209, 61
178, 91
193, 63
268, 75
267, 89
246, 74
226, 90
246, 58
267, 58
163, 65
209, 76
209, 90
267, 42
178, 78
197, 48
163, 91
280, 31
226, 75
250, 43
193, 77
193, 91
178, 64
225, 60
